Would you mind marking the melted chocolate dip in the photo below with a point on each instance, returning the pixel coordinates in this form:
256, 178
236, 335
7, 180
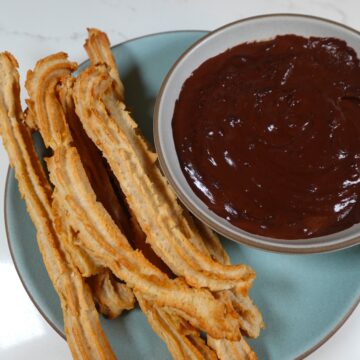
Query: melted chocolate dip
268, 136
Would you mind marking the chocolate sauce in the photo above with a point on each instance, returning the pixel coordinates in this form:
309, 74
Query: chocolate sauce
268, 136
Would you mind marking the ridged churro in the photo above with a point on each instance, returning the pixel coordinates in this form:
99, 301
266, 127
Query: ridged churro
97, 47
103, 239
82, 326
109, 226
111, 296
207, 242
182, 339
147, 192
52, 110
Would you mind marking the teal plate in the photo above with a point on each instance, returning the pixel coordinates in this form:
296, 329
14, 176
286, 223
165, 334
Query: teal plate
304, 298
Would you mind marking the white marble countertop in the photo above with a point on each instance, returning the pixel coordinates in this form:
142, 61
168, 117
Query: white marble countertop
32, 29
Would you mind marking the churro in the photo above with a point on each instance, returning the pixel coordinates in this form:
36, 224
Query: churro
97, 47
182, 339
110, 295
82, 326
207, 242
147, 192
51, 108
102, 238
109, 226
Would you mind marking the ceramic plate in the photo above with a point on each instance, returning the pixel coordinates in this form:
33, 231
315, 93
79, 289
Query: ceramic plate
304, 298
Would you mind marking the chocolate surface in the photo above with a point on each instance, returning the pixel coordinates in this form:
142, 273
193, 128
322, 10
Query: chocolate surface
268, 136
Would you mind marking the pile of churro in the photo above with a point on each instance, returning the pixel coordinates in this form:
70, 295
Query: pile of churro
109, 227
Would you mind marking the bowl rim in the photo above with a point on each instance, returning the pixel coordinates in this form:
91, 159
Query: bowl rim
297, 246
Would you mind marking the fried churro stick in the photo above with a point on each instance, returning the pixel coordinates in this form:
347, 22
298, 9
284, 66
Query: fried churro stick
232, 350
98, 48
111, 296
98, 232
78, 255
53, 134
253, 331
105, 186
90, 155
208, 242
148, 194
183, 340
49, 112
60, 128
251, 321
82, 326
104, 240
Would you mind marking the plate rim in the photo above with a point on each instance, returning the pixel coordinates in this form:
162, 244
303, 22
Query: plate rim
13, 258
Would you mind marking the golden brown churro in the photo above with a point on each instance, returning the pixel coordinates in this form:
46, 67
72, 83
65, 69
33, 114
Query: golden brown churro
182, 339
82, 326
47, 70
101, 179
73, 191
232, 350
207, 242
111, 296
97, 47
112, 217
102, 238
149, 196
57, 128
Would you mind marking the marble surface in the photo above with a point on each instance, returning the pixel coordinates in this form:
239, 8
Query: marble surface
36, 28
